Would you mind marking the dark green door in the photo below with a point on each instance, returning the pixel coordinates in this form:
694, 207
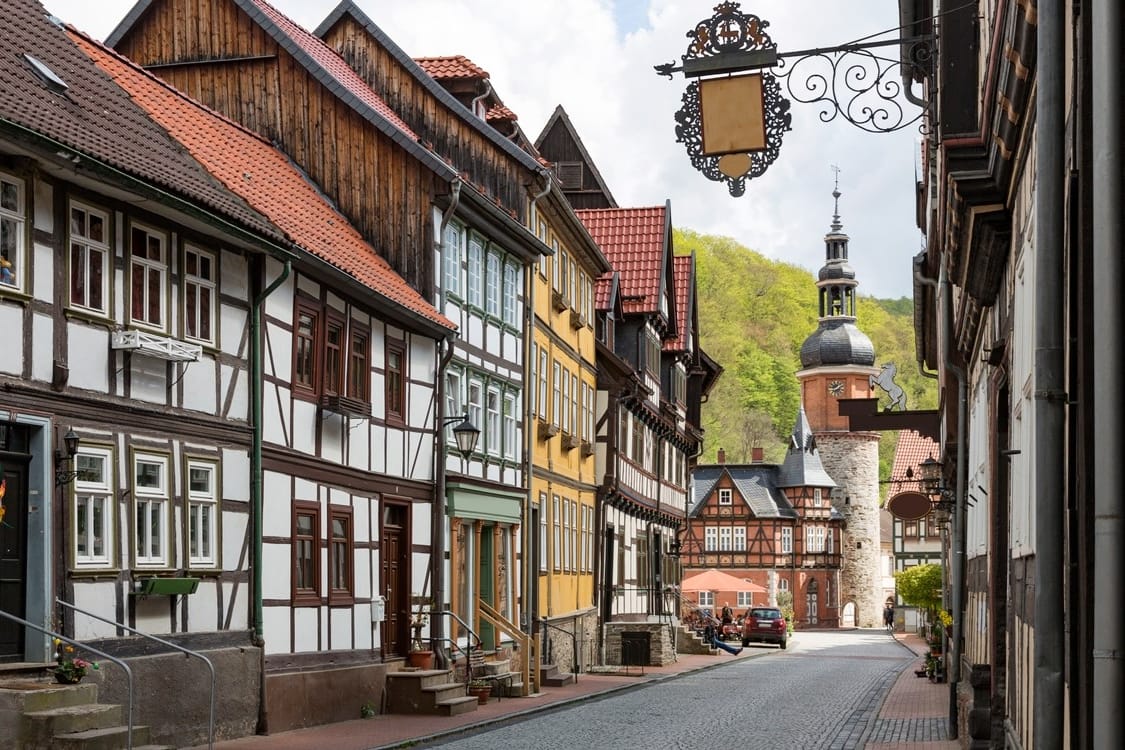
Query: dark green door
487, 590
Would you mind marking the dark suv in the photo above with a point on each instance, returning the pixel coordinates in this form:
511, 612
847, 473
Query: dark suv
764, 625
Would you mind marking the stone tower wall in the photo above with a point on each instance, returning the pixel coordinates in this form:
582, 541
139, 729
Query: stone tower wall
852, 460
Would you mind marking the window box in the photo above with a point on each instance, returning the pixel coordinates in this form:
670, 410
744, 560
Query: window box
559, 301
153, 345
348, 407
167, 586
547, 430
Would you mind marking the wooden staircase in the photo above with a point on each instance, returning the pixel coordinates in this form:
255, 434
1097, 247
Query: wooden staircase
38, 714
427, 691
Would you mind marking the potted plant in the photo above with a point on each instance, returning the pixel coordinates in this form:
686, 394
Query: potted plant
70, 669
419, 657
481, 689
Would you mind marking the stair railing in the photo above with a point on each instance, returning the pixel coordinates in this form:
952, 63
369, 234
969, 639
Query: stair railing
573, 645
521, 639
471, 635
91, 649
186, 651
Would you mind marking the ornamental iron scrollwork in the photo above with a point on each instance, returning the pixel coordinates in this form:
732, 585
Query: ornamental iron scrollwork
689, 132
855, 83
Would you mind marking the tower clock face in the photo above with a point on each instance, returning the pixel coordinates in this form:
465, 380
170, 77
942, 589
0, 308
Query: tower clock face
836, 388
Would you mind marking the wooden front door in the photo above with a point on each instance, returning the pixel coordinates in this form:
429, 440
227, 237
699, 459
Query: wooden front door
394, 548
13, 553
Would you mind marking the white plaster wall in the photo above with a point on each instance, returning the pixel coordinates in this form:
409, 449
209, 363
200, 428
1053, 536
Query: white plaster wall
88, 354
232, 326
148, 378
42, 349
275, 627
43, 283
97, 597
276, 571
199, 385
11, 319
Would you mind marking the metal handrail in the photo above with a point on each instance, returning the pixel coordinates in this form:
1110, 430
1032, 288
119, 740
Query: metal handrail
573, 646
470, 631
456, 645
188, 652
104, 655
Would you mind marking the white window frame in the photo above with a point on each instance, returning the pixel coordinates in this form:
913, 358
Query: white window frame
556, 522
782, 584
90, 494
493, 435
451, 259
474, 402
828, 543
544, 387
150, 503
508, 419
572, 546
89, 249
148, 267
474, 272
16, 219
202, 537
817, 497
706, 598
201, 283
556, 380
492, 285
511, 299
575, 422
739, 538
454, 400
786, 540
711, 538
726, 496
743, 599
726, 539
543, 532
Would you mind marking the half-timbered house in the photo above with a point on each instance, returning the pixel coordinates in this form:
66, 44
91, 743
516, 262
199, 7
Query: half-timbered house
773, 525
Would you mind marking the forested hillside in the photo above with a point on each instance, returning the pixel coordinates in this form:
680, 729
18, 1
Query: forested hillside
754, 313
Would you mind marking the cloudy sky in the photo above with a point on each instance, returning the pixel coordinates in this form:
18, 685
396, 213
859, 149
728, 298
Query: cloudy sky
596, 57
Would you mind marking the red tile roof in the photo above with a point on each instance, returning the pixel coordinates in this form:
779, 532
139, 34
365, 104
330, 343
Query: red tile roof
333, 64
603, 288
451, 68
633, 240
683, 272
500, 112
252, 168
912, 449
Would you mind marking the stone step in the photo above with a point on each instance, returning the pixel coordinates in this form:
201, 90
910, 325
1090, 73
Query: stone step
558, 679
40, 726
106, 738
27, 696
457, 706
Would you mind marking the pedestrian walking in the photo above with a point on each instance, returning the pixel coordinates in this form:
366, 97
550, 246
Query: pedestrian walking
889, 618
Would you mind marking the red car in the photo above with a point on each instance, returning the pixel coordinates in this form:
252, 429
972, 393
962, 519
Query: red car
764, 625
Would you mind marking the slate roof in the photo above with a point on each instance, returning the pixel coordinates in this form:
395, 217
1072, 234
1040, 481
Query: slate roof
802, 466
97, 119
837, 341
634, 240
756, 484
451, 68
264, 177
684, 291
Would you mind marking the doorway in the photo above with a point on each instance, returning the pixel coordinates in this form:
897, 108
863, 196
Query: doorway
394, 550
14, 461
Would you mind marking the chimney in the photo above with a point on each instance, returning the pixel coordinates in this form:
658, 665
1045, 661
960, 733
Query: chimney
757, 455
722, 457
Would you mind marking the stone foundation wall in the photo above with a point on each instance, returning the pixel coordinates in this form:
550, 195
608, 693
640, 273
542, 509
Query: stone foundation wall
584, 628
662, 648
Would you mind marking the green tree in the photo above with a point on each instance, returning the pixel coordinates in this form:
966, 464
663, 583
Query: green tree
920, 586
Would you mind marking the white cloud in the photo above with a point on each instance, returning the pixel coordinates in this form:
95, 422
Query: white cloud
571, 52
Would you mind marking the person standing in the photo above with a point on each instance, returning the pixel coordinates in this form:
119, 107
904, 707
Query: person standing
889, 618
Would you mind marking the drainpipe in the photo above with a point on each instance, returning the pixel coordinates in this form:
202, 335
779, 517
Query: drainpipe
1049, 378
437, 507
1109, 508
481, 98
921, 278
256, 376
530, 573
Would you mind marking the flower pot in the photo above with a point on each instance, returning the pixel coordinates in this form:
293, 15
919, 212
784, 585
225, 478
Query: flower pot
421, 659
482, 692
67, 678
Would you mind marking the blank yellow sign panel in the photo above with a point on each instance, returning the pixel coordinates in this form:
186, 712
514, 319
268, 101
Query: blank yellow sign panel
733, 114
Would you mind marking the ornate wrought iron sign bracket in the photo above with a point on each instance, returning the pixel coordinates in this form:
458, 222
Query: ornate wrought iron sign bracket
739, 136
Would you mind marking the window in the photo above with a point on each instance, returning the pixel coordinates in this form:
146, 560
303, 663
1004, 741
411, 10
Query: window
476, 401
200, 281
543, 510
814, 539
304, 349
12, 229
783, 584
556, 261
787, 541
557, 522
556, 413
740, 539
725, 497
340, 555
202, 514
643, 565
453, 397
652, 353
817, 497
306, 553
574, 416
451, 259
150, 524
333, 356
828, 540
396, 381
89, 259
509, 418
475, 272
572, 555
711, 538
148, 271
725, 538
511, 312
706, 598
359, 374
93, 510
492, 286
566, 410
492, 429
743, 599
679, 385
541, 402
563, 262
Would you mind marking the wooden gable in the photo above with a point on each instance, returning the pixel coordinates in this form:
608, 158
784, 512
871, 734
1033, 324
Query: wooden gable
581, 181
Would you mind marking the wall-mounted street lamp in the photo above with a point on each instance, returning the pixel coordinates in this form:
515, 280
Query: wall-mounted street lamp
466, 434
930, 478
63, 473
732, 125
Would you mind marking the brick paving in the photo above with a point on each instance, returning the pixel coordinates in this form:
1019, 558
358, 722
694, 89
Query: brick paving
911, 715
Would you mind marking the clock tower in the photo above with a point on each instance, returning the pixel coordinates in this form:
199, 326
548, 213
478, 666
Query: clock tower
838, 361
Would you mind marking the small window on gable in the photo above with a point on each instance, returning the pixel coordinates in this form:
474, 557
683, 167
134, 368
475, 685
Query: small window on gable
725, 497
569, 174
817, 497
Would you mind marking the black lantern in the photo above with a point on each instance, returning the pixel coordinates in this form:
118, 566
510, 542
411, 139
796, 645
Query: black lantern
929, 474
466, 434
63, 473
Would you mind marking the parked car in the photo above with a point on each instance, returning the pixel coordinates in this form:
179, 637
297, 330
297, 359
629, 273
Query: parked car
764, 625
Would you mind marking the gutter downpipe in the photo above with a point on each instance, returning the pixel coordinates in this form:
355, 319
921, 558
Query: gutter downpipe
437, 511
1109, 508
1049, 372
531, 573
256, 499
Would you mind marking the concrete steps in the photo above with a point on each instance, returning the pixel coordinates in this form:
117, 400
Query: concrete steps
427, 691
550, 676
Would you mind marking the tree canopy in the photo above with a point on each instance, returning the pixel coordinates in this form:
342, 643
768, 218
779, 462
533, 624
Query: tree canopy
920, 586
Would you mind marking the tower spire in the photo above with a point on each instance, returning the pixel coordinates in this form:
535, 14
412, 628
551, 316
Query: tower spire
836, 225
